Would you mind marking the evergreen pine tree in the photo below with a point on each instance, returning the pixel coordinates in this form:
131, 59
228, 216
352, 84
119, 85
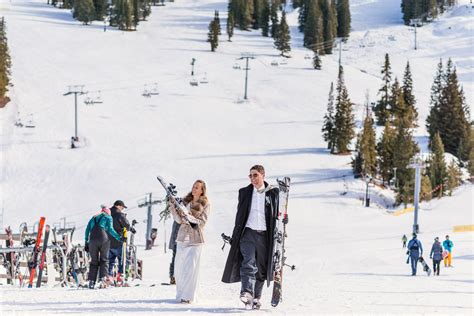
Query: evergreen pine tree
247, 16
343, 18
5, 63
357, 162
433, 118
437, 166
425, 192
213, 35
385, 150
398, 107
84, 10
453, 124
218, 21
381, 109
328, 10
274, 18
145, 9
343, 118
471, 153
404, 150
264, 18
257, 11
230, 25
328, 124
313, 31
409, 98
367, 145
453, 177
303, 14
136, 13
282, 38
100, 8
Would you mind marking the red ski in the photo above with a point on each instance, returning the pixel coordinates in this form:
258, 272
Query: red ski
34, 258
43, 256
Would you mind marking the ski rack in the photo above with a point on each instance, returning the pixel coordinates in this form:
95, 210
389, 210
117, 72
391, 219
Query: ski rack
29, 249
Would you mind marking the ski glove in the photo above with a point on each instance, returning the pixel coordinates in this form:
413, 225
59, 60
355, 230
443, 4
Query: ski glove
133, 230
86, 247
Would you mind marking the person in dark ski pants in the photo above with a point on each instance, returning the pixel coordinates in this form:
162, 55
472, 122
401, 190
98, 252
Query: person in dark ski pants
415, 250
97, 244
172, 246
119, 222
404, 241
251, 252
436, 254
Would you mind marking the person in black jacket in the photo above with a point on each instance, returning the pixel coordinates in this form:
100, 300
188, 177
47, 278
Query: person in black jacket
250, 255
120, 222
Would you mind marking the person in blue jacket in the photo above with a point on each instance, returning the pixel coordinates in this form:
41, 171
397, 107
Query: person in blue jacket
97, 243
448, 245
415, 250
437, 255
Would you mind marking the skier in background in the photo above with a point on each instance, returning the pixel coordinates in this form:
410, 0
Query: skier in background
448, 245
251, 246
119, 222
404, 241
97, 244
415, 250
436, 254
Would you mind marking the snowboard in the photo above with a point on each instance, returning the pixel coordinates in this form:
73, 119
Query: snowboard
425, 266
279, 258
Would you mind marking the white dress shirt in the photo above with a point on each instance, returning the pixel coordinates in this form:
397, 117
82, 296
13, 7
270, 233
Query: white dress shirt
256, 220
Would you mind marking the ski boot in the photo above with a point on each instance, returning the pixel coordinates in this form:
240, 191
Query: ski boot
256, 303
91, 284
247, 299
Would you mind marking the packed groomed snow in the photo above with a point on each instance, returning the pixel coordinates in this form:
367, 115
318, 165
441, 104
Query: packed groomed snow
349, 258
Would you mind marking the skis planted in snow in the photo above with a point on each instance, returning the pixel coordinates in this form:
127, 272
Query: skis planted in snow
11, 271
279, 258
36, 250
43, 256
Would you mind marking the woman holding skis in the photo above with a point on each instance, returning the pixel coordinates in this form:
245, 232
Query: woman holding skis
192, 217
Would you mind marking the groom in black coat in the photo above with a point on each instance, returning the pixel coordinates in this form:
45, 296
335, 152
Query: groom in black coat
250, 257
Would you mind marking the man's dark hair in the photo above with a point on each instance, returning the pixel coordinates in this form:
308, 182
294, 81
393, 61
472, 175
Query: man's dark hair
258, 168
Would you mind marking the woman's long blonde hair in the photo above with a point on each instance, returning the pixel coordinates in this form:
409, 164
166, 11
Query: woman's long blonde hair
189, 197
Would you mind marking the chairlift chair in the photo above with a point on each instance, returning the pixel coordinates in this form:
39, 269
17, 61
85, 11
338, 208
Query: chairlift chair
30, 123
236, 66
274, 63
146, 93
154, 90
194, 82
307, 56
204, 79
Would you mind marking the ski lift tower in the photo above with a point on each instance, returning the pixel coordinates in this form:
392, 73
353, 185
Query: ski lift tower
417, 165
76, 90
246, 56
415, 23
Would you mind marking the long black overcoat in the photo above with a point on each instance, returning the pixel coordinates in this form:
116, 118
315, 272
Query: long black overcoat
232, 266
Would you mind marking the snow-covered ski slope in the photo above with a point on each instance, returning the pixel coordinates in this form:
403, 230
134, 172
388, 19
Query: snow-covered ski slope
349, 258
